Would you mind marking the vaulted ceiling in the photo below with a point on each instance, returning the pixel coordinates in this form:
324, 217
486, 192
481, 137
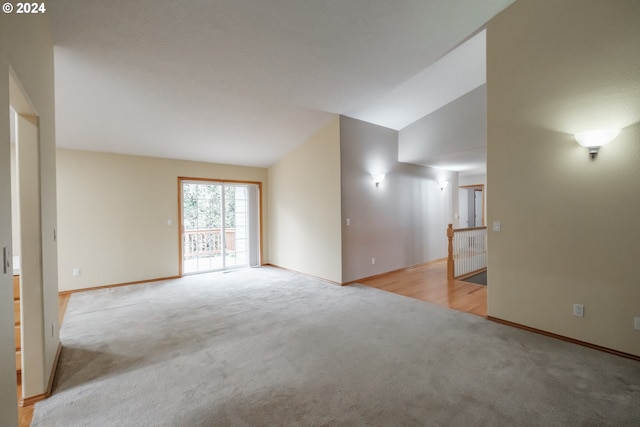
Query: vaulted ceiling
243, 82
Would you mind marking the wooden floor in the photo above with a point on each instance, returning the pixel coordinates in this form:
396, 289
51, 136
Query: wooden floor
25, 414
428, 282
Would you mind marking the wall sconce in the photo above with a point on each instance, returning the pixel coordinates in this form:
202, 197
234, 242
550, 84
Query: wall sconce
594, 139
377, 178
443, 184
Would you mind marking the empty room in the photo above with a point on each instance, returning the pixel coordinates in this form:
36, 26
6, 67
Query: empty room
319, 213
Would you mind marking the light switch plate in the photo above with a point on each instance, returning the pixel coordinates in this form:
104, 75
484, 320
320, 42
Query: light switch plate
497, 226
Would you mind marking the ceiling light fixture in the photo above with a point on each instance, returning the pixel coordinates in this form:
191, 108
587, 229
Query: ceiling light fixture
594, 139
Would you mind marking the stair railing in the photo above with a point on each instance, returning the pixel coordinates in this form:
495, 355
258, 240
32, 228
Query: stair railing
467, 251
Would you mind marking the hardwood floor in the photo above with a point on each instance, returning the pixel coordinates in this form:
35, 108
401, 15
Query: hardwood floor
428, 282
25, 414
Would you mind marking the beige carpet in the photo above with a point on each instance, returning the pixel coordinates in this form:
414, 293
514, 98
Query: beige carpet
265, 347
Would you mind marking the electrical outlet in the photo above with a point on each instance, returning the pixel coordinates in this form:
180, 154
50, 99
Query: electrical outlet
636, 323
578, 310
76, 272
373, 261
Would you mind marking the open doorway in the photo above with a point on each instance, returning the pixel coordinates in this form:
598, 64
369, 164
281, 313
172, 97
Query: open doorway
26, 242
471, 206
219, 225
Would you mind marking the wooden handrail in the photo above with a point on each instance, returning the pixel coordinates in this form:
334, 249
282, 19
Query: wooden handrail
455, 230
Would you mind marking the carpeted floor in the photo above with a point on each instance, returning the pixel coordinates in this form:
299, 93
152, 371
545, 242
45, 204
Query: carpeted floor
265, 347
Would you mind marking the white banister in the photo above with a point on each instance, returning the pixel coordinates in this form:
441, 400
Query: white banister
467, 251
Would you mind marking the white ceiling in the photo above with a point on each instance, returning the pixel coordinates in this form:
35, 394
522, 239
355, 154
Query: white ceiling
453, 138
455, 74
243, 82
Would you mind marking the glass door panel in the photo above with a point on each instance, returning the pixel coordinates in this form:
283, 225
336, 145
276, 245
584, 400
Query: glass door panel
217, 226
236, 219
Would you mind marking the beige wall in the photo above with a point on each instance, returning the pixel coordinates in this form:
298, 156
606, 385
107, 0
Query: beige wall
113, 211
569, 224
26, 50
304, 207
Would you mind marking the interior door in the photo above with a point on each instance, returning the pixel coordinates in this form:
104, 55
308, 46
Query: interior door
479, 208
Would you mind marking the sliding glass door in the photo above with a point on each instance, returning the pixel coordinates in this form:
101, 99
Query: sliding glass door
219, 225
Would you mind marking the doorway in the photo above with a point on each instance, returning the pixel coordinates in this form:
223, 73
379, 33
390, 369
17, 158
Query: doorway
29, 320
471, 206
219, 225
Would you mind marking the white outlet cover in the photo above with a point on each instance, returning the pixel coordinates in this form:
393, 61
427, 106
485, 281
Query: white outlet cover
636, 323
578, 310
497, 225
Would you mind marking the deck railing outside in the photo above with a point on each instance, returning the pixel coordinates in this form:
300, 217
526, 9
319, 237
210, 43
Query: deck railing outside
467, 251
207, 242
